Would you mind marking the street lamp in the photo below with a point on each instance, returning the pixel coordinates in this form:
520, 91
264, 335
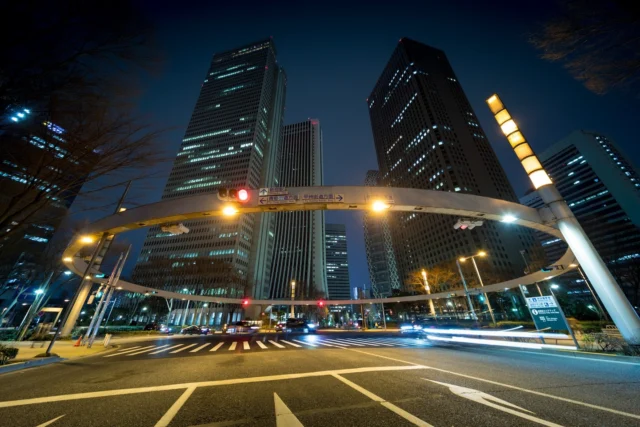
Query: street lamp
229, 210
426, 286
621, 311
293, 297
480, 254
87, 239
379, 206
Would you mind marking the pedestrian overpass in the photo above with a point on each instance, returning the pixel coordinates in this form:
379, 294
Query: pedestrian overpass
350, 198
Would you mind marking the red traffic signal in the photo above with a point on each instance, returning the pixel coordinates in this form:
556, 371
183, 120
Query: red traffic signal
233, 195
320, 303
245, 302
243, 195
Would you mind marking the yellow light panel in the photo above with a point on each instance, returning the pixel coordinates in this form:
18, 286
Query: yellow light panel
539, 178
509, 127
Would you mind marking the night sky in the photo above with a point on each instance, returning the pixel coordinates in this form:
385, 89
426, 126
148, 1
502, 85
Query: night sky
333, 55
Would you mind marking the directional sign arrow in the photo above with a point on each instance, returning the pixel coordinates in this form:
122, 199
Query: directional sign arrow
339, 197
263, 200
263, 192
486, 399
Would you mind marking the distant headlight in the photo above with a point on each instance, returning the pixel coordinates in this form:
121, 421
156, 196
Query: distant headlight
255, 327
417, 327
311, 325
405, 327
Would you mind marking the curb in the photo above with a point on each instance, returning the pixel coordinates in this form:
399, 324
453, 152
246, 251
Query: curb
30, 364
598, 356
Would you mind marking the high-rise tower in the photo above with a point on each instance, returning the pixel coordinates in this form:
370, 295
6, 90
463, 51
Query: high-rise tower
299, 236
381, 259
232, 141
427, 136
337, 262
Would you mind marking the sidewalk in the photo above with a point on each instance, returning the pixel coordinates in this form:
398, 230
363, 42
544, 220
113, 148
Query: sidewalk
64, 349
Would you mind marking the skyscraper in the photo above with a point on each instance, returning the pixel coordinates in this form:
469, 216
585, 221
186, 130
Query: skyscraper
337, 262
381, 259
299, 236
427, 136
602, 188
232, 141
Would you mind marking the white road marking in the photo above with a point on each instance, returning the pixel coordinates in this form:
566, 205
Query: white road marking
151, 349
166, 349
302, 342
589, 359
129, 350
171, 413
220, 344
280, 345
261, 345
486, 399
538, 393
233, 346
50, 421
381, 342
183, 348
361, 342
335, 344
199, 348
324, 343
341, 341
284, 416
216, 383
404, 414
245, 345
287, 342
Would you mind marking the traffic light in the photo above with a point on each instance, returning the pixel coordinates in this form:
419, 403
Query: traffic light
233, 195
245, 302
320, 303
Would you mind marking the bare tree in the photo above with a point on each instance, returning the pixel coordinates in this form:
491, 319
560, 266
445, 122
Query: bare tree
597, 41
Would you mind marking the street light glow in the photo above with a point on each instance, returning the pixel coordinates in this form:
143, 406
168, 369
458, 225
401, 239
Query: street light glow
87, 239
462, 259
573, 265
482, 253
508, 218
87, 277
67, 259
554, 286
229, 211
424, 274
379, 206
39, 291
122, 209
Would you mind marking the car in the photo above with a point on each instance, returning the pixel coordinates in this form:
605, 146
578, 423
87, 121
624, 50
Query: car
240, 327
151, 327
194, 330
280, 326
299, 325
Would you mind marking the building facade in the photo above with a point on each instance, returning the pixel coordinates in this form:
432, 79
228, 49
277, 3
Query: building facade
299, 236
337, 262
232, 141
427, 136
602, 188
381, 260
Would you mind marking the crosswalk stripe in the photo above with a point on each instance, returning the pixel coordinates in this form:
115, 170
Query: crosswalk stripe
302, 342
183, 348
281, 346
217, 346
233, 346
199, 348
245, 345
380, 342
129, 350
166, 349
340, 341
261, 345
359, 342
290, 343
324, 343
151, 349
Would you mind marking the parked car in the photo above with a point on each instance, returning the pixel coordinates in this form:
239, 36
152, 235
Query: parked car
299, 325
194, 330
152, 327
241, 327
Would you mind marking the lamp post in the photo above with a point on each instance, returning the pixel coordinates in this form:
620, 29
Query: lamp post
426, 286
466, 292
293, 297
602, 314
605, 285
486, 297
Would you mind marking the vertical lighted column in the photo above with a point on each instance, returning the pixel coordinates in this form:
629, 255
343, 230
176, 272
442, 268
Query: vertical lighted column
612, 297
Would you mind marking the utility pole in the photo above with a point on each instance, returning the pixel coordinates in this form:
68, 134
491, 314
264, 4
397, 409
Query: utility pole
426, 286
466, 292
293, 298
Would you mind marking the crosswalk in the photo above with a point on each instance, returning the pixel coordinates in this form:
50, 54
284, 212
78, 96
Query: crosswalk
300, 342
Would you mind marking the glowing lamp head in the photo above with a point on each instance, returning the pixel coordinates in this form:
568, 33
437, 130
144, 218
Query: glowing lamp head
508, 218
554, 286
379, 206
87, 239
243, 195
573, 265
462, 259
67, 259
482, 253
229, 211
122, 209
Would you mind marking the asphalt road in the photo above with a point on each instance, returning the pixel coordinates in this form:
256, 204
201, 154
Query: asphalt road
335, 380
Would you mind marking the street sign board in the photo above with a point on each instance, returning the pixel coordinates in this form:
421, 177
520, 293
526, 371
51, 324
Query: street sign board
272, 191
326, 198
546, 313
276, 200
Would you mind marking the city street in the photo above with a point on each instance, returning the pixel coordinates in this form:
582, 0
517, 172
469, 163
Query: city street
315, 380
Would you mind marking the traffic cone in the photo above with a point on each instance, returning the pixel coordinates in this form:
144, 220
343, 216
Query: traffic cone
77, 344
